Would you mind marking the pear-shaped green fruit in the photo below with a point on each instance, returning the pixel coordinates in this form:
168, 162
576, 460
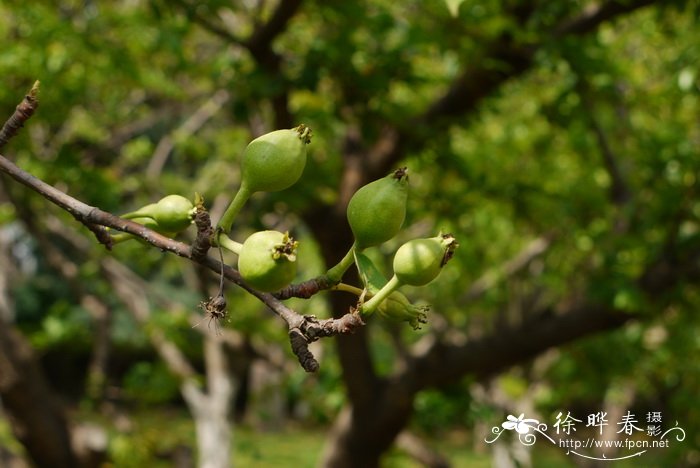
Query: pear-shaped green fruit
267, 260
419, 261
377, 210
275, 161
270, 163
173, 213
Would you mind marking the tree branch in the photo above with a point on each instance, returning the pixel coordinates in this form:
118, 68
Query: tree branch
480, 80
620, 193
194, 14
190, 126
532, 250
260, 42
597, 14
22, 113
98, 220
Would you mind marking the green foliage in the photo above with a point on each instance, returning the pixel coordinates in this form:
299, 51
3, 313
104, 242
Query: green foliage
120, 79
150, 383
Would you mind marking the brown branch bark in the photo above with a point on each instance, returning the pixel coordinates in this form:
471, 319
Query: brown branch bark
23, 112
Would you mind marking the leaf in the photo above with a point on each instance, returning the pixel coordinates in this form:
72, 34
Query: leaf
370, 275
453, 6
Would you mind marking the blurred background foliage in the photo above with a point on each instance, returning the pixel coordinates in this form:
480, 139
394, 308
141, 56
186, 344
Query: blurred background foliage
121, 79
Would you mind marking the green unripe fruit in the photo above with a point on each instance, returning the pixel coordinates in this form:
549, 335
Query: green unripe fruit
149, 223
270, 163
377, 210
420, 261
267, 260
398, 308
275, 161
173, 213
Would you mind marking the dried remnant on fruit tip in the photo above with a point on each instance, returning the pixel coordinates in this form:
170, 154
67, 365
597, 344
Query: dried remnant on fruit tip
398, 308
377, 210
275, 160
451, 244
304, 132
287, 248
267, 260
419, 261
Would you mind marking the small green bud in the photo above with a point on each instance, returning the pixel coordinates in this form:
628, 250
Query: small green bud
377, 210
420, 261
267, 260
398, 308
276, 160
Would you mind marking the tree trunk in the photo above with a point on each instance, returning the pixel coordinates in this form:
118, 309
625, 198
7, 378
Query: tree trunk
361, 435
36, 417
213, 437
211, 409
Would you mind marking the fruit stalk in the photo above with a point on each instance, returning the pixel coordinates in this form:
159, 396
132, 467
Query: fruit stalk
234, 207
222, 240
336, 273
370, 306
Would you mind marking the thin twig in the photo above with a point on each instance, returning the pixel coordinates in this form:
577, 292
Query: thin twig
22, 113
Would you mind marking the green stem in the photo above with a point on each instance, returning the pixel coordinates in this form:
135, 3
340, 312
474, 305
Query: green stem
143, 212
370, 306
234, 207
226, 242
347, 288
121, 237
335, 274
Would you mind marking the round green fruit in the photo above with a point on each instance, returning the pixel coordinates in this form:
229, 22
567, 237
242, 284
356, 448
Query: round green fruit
376, 211
267, 260
420, 261
173, 213
275, 161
